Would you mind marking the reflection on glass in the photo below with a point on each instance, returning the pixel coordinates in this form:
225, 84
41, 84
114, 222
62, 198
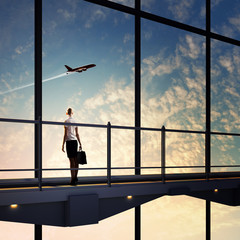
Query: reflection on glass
188, 12
225, 18
118, 227
173, 218
225, 222
94, 143
17, 150
225, 87
16, 59
173, 78
83, 33
225, 151
184, 149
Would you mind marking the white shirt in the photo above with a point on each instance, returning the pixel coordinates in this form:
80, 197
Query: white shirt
70, 130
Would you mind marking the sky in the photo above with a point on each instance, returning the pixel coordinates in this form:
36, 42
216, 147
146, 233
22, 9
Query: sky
77, 33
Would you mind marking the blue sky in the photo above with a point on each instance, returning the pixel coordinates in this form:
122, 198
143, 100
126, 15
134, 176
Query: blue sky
76, 33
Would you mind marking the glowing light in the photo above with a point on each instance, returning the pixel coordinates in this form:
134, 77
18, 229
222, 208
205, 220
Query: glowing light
14, 205
215, 190
129, 197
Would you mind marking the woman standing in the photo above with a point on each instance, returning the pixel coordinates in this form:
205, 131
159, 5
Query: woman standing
71, 137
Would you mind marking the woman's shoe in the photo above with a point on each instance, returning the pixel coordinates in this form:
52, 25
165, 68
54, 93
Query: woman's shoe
73, 182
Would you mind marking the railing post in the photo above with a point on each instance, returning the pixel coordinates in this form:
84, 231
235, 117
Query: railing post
109, 154
40, 153
163, 159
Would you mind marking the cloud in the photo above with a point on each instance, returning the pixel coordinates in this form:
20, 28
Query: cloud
95, 16
159, 64
226, 62
114, 101
128, 37
235, 21
67, 15
226, 88
147, 35
191, 47
25, 48
147, 4
180, 9
215, 3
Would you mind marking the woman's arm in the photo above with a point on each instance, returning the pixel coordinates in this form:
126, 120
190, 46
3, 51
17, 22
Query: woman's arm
78, 138
64, 138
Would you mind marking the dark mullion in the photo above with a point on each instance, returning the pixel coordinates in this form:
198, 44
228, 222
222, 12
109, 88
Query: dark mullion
208, 112
38, 96
208, 91
137, 88
208, 220
38, 78
137, 110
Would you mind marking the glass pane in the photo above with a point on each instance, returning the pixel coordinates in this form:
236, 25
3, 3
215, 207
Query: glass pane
82, 33
225, 222
225, 16
225, 87
151, 152
191, 12
123, 150
16, 59
172, 218
118, 227
225, 151
11, 230
17, 149
184, 149
173, 78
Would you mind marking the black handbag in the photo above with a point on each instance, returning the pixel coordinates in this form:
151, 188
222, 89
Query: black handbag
81, 157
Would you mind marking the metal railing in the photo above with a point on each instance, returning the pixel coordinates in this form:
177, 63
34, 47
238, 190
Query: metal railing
109, 168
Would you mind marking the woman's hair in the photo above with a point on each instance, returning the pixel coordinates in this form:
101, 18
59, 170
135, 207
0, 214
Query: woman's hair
69, 111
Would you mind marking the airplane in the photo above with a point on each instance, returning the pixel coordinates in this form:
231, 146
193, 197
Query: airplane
79, 69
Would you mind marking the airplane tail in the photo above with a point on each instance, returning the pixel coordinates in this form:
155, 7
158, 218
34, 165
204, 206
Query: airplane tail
68, 68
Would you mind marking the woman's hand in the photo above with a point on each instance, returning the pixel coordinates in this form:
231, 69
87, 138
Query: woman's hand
80, 147
63, 148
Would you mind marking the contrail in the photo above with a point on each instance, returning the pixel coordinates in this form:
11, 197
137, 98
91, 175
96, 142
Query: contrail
32, 84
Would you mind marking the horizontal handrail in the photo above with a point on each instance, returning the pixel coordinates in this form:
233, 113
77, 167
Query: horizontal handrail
113, 126
114, 168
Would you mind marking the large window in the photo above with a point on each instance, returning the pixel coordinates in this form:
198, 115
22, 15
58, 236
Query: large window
165, 65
